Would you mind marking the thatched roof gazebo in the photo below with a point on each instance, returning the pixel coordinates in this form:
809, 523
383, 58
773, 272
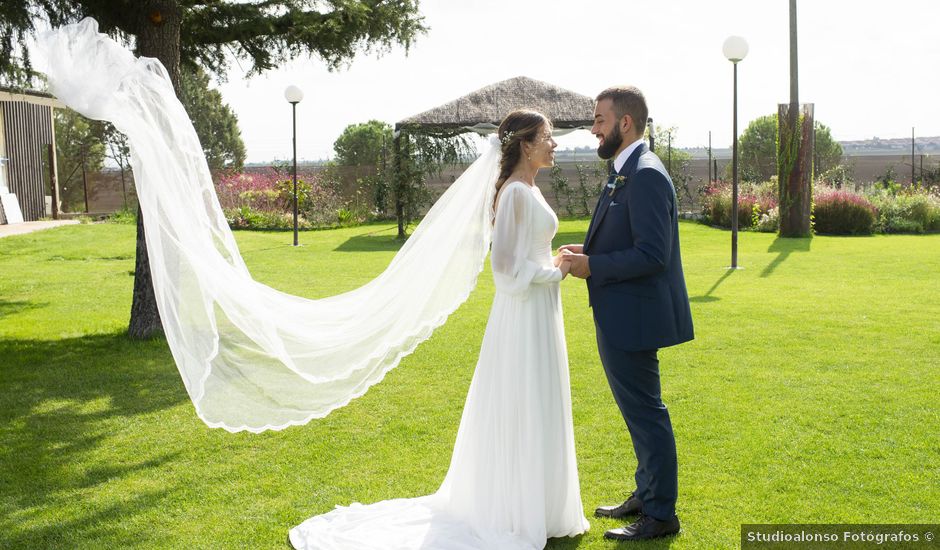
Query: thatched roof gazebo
481, 112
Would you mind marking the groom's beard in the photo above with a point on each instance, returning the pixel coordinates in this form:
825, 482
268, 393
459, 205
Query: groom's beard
612, 142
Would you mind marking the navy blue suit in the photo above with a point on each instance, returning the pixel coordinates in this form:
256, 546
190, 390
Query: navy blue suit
640, 303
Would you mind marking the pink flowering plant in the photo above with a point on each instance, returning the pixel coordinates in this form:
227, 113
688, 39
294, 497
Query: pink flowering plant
757, 205
263, 199
842, 212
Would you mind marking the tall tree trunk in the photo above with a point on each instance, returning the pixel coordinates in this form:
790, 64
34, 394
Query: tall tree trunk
158, 36
795, 152
795, 169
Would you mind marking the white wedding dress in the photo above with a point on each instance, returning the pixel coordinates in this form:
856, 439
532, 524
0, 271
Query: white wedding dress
513, 479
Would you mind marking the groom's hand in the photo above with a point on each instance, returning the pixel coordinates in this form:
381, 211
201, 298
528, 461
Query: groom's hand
578, 265
572, 248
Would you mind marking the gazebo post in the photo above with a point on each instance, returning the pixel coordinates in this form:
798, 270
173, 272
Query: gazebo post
397, 181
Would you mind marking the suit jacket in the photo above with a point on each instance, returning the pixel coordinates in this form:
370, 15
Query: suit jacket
637, 288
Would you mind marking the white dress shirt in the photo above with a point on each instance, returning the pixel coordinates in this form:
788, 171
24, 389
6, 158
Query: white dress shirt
625, 154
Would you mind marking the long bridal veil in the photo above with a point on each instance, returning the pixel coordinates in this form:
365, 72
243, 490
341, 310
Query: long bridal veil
251, 357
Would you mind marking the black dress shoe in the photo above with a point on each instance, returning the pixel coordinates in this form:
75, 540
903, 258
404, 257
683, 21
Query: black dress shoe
631, 507
645, 528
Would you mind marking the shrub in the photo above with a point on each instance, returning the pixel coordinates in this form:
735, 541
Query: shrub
245, 217
838, 212
769, 222
903, 212
837, 176
124, 216
933, 215
265, 200
754, 202
236, 189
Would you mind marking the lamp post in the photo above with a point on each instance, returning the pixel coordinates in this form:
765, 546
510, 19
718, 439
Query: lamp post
293, 95
735, 49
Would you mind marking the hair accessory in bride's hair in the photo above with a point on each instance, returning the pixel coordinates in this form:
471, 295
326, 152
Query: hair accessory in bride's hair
507, 137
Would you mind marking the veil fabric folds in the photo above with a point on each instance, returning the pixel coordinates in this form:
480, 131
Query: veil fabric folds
253, 358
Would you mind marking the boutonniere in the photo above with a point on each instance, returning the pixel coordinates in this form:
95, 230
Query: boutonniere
616, 184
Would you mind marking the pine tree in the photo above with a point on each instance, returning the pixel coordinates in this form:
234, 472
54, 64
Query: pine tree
205, 33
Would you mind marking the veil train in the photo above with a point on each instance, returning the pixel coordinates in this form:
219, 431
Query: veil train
253, 358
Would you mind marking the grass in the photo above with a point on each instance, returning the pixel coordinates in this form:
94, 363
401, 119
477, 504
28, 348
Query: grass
810, 395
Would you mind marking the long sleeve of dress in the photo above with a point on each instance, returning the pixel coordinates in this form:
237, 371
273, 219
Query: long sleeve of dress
513, 271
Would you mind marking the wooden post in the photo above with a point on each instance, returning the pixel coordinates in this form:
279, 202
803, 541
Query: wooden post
710, 180
669, 153
53, 181
399, 183
84, 179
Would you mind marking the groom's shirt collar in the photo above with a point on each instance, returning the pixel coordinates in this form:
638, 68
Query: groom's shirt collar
625, 154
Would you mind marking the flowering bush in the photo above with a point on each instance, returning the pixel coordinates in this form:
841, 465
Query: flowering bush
933, 216
839, 212
887, 208
757, 205
253, 189
904, 212
769, 221
264, 199
245, 217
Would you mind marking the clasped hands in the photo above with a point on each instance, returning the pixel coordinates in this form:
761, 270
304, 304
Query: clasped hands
571, 259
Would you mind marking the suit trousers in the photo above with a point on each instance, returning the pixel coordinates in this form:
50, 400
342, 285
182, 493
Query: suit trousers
634, 380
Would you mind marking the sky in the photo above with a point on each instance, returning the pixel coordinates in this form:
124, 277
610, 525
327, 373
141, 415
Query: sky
868, 67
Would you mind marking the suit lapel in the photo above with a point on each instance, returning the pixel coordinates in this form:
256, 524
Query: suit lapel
600, 211
594, 220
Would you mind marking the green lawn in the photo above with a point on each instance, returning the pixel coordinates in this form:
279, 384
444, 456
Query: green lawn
811, 395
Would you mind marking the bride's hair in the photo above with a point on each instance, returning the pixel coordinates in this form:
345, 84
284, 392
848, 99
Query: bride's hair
518, 126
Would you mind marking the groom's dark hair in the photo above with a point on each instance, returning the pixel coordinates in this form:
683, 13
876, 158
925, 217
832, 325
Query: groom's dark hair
627, 100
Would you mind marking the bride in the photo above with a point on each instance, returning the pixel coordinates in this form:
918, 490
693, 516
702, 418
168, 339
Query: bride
253, 358
513, 479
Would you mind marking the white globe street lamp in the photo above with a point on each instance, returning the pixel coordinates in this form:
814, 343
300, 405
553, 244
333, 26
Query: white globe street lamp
735, 49
294, 95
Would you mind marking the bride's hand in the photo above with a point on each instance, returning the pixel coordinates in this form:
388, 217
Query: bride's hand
557, 259
564, 267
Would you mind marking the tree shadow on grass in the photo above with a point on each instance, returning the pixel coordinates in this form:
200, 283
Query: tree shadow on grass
62, 400
384, 240
784, 246
92, 529
12, 308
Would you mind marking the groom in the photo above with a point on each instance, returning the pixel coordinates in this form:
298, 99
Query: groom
630, 259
